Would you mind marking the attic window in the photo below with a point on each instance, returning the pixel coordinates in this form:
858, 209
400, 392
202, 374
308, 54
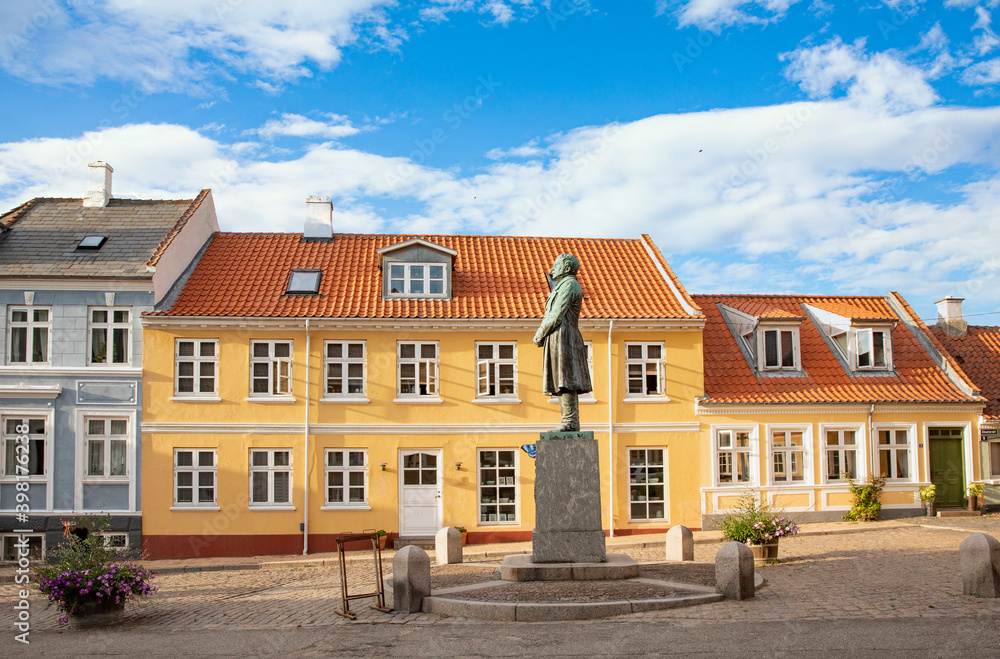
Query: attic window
304, 282
92, 242
417, 279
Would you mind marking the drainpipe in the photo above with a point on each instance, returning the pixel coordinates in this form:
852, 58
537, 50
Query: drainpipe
305, 503
872, 442
611, 437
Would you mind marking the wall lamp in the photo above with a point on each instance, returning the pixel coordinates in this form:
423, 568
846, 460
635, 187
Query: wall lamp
458, 466
382, 465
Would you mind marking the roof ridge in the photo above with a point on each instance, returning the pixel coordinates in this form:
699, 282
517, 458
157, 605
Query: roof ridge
176, 229
791, 295
17, 213
674, 281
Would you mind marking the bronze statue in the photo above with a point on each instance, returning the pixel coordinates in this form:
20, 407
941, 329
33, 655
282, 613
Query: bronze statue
565, 372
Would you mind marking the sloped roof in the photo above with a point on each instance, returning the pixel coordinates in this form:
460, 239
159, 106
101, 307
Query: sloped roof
245, 274
729, 378
43, 233
978, 352
761, 309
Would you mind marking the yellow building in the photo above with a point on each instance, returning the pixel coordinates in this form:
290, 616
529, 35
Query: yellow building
803, 393
303, 385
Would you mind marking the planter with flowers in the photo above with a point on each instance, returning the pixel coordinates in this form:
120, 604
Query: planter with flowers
754, 523
90, 582
465, 534
927, 495
975, 490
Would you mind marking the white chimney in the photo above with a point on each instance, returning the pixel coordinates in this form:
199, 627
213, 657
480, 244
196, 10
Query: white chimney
319, 218
99, 185
950, 316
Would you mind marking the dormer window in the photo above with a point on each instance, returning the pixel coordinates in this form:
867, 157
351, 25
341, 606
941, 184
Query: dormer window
416, 269
872, 348
304, 282
780, 348
769, 337
416, 279
92, 242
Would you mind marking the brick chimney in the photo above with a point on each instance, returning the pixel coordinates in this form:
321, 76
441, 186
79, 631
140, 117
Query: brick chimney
319, 219
950, 316
98, 185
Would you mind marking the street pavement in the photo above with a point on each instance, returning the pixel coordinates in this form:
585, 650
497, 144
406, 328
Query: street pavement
890, 589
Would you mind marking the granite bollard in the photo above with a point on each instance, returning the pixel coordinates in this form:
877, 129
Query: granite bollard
448, 546
734, 573
979, 556
411, 579
680, 544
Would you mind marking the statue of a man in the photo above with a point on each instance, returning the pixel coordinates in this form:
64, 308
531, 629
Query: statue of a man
564, 372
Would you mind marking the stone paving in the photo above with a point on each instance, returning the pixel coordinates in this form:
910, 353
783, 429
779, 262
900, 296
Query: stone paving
891, 570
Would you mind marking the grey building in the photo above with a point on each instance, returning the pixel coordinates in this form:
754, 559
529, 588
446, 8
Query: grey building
75, 275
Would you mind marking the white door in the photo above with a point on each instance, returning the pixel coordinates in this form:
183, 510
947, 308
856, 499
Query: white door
419, 492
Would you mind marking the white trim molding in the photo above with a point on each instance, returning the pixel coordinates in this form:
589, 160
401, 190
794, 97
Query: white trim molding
404, 428
30, 391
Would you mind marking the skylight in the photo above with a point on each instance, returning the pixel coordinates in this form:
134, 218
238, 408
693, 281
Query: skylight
92, 242
304, 282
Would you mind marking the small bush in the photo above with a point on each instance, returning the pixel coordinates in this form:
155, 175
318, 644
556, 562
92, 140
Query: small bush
754, 523
866, 499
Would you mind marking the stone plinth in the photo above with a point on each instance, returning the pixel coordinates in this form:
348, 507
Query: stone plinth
521, 567
734, 574
680, 544
448, 546
567, 500
979, 556
411, 579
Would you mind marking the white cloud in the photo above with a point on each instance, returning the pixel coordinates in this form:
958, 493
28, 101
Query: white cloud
296, 125
526, 150
880, 81
988, 40
983, 73
716, 14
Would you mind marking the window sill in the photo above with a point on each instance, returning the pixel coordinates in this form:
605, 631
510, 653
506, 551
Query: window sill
419, 400
34, 480
589, 400
655, 520
270, 399
207, 509
195, 399
646, 399
259, 507
362, 400
496, 401
499, 523
334, 507
101, 480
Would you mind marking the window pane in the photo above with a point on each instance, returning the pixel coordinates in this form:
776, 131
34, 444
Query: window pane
725, 439
435, 288
357, 459
282, 349
185, 349
407, 350
281, 489
19, 316
185, 479
743, 467
995, 458
95, 426
207, 348
335, 459
258, 458
40, 344
19, 344
356, 350
99, 316
121, 316
120, 354
396, 271
506, 351
118, 455
261, 350
259, 490
417, 286
428, 351
184, 459
878, 358
281, 458
95, 458
436, 271
770, 348
206, 459
118, 426
787, 351
98, 345
634, 351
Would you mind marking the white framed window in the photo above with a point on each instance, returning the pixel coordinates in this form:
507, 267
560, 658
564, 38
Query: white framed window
496, 370
346, 478
417, 279
196, 363
789, 455
344, 365
29, 335
110, 331
840, 447
271, 368
647, 484
106, 442
304, 282
417, 365
36, 546
270, 477
995, 459
732, 451
873, 349
894, 453
115, 540
497, 486
645, 365
779, 349
194, 477
25, 444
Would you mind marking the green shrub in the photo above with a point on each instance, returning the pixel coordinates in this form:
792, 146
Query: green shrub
866, 499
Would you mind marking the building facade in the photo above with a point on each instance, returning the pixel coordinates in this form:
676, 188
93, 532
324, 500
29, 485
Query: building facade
75, 276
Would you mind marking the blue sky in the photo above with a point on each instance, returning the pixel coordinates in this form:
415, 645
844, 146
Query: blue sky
779, 146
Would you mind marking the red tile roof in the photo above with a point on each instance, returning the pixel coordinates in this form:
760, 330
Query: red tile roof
730, 379
978, 352
761, 309
245, 275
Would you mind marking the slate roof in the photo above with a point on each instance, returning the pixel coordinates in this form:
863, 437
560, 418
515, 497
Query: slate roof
978, 352
39, 237
730, 379
245, 275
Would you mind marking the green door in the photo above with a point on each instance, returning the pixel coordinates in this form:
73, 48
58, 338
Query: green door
947, 471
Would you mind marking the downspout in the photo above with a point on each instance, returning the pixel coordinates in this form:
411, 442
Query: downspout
611, 437
305, 504
872, 441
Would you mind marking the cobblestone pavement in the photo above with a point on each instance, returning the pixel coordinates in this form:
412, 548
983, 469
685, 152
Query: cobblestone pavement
892, 571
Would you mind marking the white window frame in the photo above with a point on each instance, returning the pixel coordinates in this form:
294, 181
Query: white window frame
275, 365
108, 535
196, 468
106, 439
29, 326
489, 369
109, 326
994, 470
271, 469
806, 451
644, 361
431, 367
346, 469
196, 360
859, 448
504, 486
47, 450
750, 450
425, 279
345, 361
636, 485
14, 537
762, 364
886, 333
911, 448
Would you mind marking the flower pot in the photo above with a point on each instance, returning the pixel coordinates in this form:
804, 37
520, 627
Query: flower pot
931, 509
382, 540
765, 553
973, 503
97, 614
465, 537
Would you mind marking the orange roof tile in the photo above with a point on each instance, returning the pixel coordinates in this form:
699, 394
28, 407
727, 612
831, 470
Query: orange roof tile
245, 275
730, 379
856, 308
761, 309
978, 352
